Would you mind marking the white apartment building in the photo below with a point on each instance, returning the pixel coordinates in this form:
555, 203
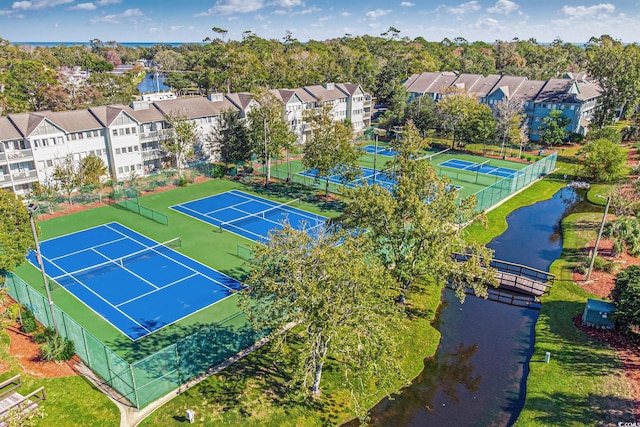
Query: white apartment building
128, 138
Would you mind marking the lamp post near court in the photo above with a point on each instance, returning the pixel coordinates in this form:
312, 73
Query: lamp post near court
595, 249
32, 208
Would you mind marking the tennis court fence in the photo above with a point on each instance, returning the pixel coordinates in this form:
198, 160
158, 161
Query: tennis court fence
132, 203
151, 377
504, 187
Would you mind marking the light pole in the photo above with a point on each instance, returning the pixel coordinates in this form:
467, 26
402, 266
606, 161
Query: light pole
595, 249
375, 155
266, 154
32, 208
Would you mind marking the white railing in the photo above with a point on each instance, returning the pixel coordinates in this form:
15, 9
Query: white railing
24, 175
18, 154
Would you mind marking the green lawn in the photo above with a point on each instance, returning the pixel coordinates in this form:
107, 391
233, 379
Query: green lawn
71, 401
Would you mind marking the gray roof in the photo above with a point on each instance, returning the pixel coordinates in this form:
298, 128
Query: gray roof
241, 100
348, 88
149, 115
558, 90
483, 86
509, 85
322, 93
194, 108
588, 90
72, 121
466, 81
304, 95
432, 82
8, 130
106, 114
529, 90
26, 123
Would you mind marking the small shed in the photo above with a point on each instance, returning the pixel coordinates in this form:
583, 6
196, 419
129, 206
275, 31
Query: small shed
597, 314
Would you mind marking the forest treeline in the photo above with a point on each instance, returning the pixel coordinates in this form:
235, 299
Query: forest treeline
32, 82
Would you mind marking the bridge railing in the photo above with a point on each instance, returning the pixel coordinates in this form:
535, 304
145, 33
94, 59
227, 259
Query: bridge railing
517, 270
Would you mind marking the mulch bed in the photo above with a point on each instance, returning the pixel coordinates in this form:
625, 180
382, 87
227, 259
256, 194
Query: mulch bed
601, 284
25, 350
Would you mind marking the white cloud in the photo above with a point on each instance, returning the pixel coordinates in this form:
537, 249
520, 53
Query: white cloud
407, 4
504, 7
108, 2
462, 9
229, 7
345, 13
38, 4
375, 14
287, 3
83, 6
118, 18
587, 11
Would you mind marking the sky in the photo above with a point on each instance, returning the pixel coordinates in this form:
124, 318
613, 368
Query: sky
574, 21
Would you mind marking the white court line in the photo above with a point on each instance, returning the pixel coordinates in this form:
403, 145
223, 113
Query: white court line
102, 298
291, 209
175, 260
86, 249
158, 288
125, 268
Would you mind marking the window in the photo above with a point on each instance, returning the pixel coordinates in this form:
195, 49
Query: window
130, 149
120, 170
135, 148
74, 136
121, 131
60, 140
115, 132
50, 163
139, 166
80, 135
128, 131
133, 131
117, 151
36, 143
126, 168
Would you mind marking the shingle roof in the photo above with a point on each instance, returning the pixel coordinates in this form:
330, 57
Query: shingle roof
26, 123
588, 90
466, 81
8, 130
72, 121
483, 86
529, 90
242, 100
106, 114
348, 88
324, 94
304, 95
149, 115
194, 108
432, 82
557, 90
509, 85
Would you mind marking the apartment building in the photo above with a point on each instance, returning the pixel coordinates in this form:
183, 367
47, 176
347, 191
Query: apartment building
128, 137
575, 96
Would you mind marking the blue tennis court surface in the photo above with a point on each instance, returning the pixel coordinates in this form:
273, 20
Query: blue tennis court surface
131, 281
250, 216
480, 167
382, 151
385, 179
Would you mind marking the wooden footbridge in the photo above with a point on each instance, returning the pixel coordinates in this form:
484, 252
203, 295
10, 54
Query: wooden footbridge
517, 284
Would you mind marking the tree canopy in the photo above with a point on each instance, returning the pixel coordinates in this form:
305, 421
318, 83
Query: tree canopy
15, 232
601, 160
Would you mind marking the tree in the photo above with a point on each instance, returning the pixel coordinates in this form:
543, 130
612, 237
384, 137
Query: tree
626, 297
339, 301
65, 174
422, 111
455, 109
418, 225
180, 138
328, 149
15, 232
601, 160
553, 128
616, 68
509, 121
268, 129
625, 233
231, 138
91, 170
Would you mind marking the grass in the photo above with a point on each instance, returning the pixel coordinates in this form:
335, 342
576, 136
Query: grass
583, 384
70, 400
254, 391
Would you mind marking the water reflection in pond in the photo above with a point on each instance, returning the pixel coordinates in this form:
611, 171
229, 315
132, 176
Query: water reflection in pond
478, 375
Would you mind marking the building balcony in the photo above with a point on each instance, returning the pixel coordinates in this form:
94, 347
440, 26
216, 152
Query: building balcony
154, 153
154, 135
24, 176
16, 156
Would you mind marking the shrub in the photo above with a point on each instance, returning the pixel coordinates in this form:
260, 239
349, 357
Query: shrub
601, 264
55, 347
44, 334
13, 310
626, 296
28, 322
217, 170
182, 181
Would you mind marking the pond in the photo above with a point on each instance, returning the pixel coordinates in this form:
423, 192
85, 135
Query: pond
151, 83
478, 375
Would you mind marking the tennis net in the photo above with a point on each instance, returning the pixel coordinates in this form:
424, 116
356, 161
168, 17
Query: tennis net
117, 263
431, 157
256, 215
476, 166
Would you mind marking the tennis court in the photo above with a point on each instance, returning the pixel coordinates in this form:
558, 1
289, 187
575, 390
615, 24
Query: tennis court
250, 216
381, 151
133, 282
480, 168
